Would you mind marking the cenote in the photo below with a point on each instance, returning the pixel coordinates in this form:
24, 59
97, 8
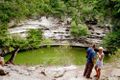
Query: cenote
62, 55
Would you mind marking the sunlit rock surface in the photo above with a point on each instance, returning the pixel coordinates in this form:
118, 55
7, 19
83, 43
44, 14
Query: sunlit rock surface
59, 31
70, 72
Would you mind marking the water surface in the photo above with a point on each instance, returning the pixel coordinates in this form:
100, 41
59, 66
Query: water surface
63, 55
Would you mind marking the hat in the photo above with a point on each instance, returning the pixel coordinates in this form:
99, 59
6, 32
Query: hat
100, 48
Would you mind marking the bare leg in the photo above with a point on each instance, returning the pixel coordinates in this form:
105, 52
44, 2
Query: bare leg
96, 71
99, 73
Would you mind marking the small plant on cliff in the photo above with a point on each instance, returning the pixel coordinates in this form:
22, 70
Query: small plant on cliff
34, 38
78, 30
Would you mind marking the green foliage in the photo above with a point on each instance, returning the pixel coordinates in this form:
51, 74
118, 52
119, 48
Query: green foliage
4, 36
112, 41
18, 42
74, 28
110, 9
34, 38
58, 7
21, 9
83, 30
79, 30
47, 41
79, 10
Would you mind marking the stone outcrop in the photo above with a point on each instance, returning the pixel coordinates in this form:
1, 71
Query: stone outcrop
59, 31
3, 72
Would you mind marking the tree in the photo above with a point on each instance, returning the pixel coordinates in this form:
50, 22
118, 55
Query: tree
32, 40
110, 9
3, 35
112, 41
4, 38
17, 43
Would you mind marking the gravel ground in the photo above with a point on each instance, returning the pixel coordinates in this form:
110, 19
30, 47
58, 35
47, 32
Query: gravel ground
109, 72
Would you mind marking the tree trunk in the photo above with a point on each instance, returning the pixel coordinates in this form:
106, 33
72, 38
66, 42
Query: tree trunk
11, 60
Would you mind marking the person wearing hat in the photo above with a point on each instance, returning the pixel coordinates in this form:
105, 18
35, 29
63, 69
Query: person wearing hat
99, 62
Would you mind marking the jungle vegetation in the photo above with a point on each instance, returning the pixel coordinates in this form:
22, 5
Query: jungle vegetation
104, 11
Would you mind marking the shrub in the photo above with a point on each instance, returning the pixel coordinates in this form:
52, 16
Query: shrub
79, 30
112, 41
34, 38
83, 30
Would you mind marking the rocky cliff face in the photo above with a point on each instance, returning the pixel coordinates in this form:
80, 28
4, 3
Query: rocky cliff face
59, 31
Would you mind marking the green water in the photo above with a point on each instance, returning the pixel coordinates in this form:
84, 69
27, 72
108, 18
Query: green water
52, 56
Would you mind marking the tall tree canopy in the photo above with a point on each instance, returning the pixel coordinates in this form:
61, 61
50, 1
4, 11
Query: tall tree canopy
110, 9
